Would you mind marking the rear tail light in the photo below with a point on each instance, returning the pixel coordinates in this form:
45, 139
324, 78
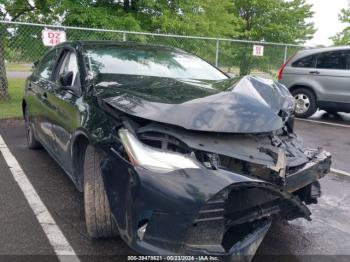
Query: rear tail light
280, 72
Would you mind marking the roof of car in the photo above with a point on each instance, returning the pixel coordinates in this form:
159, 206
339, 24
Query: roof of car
118, 43
311, 51
323, 49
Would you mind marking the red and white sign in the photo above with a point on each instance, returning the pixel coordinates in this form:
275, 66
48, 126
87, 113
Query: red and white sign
52, 37
258, 50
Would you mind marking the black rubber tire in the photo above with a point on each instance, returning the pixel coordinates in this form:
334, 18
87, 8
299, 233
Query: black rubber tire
98, 216
31, 140
313, 102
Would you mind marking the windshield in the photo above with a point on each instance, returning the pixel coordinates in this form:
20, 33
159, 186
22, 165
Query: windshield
148, 61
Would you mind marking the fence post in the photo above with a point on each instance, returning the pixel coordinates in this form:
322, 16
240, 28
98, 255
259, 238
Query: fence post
4, 92
217, 53
124, 36
285, 54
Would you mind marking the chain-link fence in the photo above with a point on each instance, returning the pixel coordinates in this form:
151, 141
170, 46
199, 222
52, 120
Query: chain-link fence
22, 45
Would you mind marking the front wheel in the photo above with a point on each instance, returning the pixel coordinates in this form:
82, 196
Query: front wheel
98, 216
306, 104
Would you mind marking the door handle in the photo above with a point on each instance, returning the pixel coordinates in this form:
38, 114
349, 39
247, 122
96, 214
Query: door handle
314, 72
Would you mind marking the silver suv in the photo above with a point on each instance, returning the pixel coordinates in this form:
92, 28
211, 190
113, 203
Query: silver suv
318, 78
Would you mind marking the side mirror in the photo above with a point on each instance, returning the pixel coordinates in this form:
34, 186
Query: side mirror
66, 79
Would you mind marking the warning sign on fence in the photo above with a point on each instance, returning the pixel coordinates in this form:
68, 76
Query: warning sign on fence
258, 50
53, 37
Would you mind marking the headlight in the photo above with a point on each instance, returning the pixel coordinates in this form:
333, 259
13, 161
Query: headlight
152, 158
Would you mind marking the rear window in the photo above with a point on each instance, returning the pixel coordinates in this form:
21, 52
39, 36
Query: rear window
333, 60
308, 62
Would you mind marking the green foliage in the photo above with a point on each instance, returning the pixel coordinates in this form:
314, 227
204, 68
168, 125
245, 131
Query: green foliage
343, 37
272, 21
28, 10
201, 18
97, 14
196, 17
258, 20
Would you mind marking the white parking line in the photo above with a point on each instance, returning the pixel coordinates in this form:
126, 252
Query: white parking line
321, 122
55, 236
341, 172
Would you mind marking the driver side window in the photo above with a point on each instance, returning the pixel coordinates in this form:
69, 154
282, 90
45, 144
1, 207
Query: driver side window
69, 71
47, 65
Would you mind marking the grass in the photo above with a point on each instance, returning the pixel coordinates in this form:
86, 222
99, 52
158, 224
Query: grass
18, 67
13, 107
235, 70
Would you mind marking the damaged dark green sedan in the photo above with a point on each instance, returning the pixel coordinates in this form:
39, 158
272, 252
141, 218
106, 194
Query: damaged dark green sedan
171, 154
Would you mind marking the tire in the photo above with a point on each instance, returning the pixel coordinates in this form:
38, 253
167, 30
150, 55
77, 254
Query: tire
31, 140
306, 103
98, 216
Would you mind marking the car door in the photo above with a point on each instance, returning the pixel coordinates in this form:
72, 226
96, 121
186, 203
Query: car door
298, 71
65, 98
38, 86
333, 75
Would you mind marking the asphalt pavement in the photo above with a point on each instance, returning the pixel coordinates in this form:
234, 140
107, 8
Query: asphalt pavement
326, 238
337, 118
335, 139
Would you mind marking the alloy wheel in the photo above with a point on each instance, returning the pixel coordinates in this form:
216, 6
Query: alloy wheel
302, 103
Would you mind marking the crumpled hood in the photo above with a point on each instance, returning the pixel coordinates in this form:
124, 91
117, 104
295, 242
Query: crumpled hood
247, 105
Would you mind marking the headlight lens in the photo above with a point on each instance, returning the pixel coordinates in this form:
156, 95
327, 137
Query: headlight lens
152, 158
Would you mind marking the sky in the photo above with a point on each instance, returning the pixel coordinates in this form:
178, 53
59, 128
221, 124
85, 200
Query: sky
326, 20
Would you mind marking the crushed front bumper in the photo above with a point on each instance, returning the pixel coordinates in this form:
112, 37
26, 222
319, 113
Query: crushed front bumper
318, 166
196, 211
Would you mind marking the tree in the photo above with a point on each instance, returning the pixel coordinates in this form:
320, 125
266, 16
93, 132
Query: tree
259, 20
272, 21
343, 37
195, 17
19, 10
4, 94
207, 18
